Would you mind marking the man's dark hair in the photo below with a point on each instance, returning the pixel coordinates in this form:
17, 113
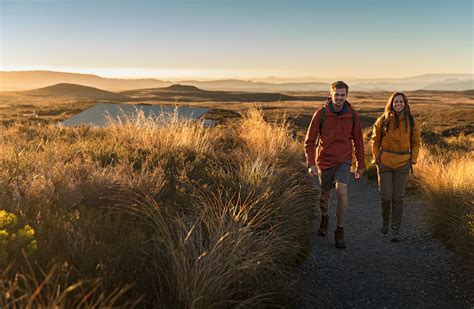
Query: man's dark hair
339, 85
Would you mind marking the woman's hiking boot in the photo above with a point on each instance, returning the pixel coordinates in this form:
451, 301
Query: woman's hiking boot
384, 228
395, 235
323, 227
339, 236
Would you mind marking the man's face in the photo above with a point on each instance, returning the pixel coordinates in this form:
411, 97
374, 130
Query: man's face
338, 96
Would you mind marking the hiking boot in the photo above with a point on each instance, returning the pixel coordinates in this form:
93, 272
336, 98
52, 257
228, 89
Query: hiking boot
384, 228
339, 236
395, 235
323, 227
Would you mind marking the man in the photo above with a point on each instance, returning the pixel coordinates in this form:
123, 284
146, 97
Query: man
337, 127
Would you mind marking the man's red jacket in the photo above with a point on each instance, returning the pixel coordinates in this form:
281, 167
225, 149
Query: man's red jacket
338, 134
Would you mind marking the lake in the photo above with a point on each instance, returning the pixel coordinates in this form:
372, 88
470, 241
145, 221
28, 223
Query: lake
100, 114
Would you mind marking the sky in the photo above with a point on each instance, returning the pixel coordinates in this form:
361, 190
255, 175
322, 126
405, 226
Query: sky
212, 39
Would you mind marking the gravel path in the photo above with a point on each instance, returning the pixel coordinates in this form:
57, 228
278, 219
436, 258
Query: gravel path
373, 272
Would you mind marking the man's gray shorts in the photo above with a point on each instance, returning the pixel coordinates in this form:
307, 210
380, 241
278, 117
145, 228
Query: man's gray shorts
339, 173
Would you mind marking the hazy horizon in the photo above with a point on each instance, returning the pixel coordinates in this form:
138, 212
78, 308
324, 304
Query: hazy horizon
255, 79
210, 39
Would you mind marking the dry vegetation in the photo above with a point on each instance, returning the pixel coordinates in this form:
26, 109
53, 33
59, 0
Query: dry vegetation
157, 213
21, 107
448, 113
445, 178
165, 212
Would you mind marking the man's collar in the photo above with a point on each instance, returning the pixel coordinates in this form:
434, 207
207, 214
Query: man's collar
331, 107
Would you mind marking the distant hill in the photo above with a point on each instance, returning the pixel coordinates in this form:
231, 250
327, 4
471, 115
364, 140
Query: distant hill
182, 88
26, 80
77, 92
442, 82
468, 92
452, 85
248, 85
181, 93
425, 78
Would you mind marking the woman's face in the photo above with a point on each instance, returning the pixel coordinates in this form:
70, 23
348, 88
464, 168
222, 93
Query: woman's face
398, 103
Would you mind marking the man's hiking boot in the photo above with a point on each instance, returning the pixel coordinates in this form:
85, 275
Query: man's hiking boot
323, 227
339, 236
395, 235
384, 228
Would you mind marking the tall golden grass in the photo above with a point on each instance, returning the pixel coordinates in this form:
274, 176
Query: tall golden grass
445, 177
154, 211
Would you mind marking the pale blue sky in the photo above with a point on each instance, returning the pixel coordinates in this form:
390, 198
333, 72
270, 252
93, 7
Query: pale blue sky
216, 39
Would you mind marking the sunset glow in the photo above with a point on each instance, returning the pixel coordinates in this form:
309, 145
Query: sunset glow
238, 39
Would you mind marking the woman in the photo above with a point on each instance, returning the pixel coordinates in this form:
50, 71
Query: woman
395, 147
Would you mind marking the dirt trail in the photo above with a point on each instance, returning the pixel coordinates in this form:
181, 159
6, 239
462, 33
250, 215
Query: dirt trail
373, 272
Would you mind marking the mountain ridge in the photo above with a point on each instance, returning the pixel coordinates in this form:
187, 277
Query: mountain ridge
25, 80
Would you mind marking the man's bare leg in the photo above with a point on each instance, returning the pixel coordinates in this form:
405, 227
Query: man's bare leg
342, 204
324, 206
324, 201
341, 214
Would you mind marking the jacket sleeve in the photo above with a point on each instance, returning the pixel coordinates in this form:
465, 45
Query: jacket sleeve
415, 142
358, 139
310, 139
376, 139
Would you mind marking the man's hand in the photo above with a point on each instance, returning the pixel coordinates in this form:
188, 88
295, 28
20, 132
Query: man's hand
312, 170
359, 172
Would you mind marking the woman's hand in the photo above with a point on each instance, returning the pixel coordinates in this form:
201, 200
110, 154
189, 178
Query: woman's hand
312, 170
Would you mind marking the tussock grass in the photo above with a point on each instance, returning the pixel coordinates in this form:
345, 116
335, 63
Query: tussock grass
155, 211
446, 180
53, 289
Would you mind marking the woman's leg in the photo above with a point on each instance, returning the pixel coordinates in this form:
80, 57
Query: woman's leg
400, 178
385, 179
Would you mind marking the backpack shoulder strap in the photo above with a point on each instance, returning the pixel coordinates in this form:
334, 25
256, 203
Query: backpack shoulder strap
382, 129
412, 126
322, 119
353, 117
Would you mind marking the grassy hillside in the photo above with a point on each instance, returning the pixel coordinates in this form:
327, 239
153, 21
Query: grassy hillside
77, 91
448, 112
160, 213
186, 93
155, 214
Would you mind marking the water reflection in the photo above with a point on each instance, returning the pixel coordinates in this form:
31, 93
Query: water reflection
100, 114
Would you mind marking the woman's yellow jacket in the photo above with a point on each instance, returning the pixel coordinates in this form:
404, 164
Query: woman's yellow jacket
396, 142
